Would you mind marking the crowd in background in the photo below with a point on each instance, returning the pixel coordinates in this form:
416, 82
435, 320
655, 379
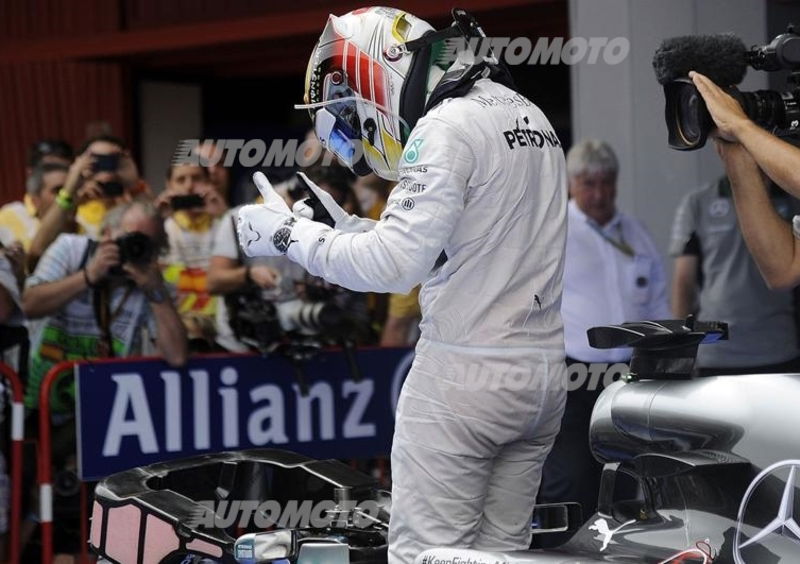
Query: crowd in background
68, 201
97, 263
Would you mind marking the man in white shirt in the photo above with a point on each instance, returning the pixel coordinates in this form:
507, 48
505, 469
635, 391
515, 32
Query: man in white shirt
613, 273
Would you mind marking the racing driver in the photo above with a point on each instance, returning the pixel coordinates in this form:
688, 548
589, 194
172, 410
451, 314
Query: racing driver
479, 218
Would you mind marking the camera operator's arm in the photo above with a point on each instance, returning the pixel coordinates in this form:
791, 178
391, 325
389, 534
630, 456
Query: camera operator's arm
170, 332
9, 289
777, 158
215, 204
7, 305
770, 239
61, 286
62, 212
226, 275
15, 254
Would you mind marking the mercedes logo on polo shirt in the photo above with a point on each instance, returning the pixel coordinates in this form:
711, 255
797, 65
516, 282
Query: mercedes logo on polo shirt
719, 207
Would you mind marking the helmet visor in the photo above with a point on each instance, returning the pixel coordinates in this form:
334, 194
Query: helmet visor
337, 136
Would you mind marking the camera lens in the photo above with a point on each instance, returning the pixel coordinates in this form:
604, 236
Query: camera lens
689, 115
688, 120
135, 247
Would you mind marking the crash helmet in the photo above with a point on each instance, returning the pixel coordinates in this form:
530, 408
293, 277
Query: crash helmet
365, 90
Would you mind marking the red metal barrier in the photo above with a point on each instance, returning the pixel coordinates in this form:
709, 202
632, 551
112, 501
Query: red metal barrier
44, 474
44, 462
44, 470
17, 438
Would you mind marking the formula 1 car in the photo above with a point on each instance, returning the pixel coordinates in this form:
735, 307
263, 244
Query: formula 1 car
696, 470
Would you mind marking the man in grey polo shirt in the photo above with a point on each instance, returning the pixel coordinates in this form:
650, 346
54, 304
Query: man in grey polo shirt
716, 277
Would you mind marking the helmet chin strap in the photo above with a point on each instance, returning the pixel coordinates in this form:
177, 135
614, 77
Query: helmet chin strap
427, 84
459, 82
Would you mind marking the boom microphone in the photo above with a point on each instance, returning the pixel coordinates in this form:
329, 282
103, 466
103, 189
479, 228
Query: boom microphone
721, 57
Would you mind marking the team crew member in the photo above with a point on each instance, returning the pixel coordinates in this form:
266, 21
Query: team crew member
716, 277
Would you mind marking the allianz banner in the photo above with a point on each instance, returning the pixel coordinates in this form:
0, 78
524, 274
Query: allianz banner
137, 413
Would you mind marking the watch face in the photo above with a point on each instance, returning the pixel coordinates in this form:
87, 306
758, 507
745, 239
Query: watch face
282, 239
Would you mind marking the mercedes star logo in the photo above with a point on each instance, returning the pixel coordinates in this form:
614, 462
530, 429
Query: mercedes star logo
783, 524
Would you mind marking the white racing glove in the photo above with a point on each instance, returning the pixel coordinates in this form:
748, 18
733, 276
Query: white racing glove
265, 230
343, 221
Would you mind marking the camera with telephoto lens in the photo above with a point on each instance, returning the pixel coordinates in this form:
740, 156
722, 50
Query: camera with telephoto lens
263, 324
724, 59
297, 329
135, 248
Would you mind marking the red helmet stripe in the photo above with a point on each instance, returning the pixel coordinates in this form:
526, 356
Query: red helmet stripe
364, 79
364, 74
337, 48
350, 65
379, 84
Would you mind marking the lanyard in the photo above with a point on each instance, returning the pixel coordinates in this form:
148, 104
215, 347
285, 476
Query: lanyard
104, 316
620, 244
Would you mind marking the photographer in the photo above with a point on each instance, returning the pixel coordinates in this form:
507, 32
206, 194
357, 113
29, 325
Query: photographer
12, 278
277, 279
102, 299
193, 207
101, 177
48, 161
271, 278
12, 275
747, 151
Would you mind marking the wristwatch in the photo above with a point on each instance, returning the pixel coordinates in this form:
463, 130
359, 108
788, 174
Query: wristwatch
156, 295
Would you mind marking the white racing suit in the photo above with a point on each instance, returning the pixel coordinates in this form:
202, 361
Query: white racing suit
482, 178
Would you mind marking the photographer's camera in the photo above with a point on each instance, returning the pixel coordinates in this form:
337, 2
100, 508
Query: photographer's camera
724, 59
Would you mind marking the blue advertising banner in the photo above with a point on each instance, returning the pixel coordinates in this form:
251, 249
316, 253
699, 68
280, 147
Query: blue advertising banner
137, 413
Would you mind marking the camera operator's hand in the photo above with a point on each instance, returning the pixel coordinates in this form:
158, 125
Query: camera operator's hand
163, 201
769, 238
726, 112
215, 203
264, 276
736, 158
105, 257
145, 276
79, 171
89, 190
15, 253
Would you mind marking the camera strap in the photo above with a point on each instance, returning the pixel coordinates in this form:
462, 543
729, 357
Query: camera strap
101, 304
101, 297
